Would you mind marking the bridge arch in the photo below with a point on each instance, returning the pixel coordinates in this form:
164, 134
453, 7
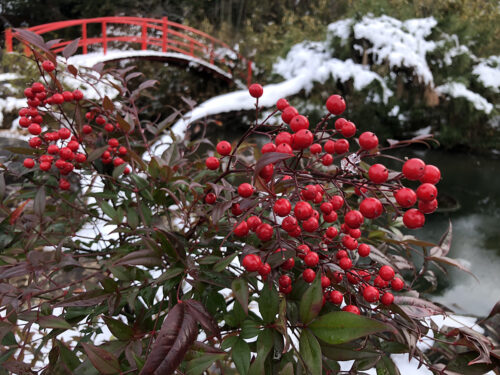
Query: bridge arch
158, 39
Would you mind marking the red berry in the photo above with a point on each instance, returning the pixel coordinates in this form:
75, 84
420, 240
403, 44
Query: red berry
315, 148
29, 163
53, 149
380, 283
368, 141
64, 184
57, 99
331, 232
337, 201
68, 96
325, 282
289, 223
310, 225
64, 133
354, 219
432, 175
236, 209
268, 147
253, 222
35, 129
341, 146
28, 92
428, 207
329, 146
405, 197
397, 284
311, 259
73, 145
378, 173
427, 192
264, 270
299, 122
109, 127
339, 124
283, 137
48, 66
210, 198
371, 294
113, 142
349, 242
386, 273
303, 139
289, 113
355, 233
223, 148
24, 122
267, 172
284, 281
35, 142
353, 277
348, 129
335, 104
363, 250
326, 208
309, 193
245, 190
251, 262
212, 163
413, 169
327, 160
303, 210
37, 87
288, 264
371, 208
241, 229
118, 161
282, 207
336, 297
45, 166
281, 104
387, 299
87, 129
256, 90
264, 232
345, 263
331, 217
284, 148
302, 251
352, 309
77, 95
413, 219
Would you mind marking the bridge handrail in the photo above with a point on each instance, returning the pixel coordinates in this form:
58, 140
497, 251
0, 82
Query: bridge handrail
163, 25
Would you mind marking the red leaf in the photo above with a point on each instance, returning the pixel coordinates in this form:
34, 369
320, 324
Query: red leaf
198, 311
17, 212
71, 48
102, 360
177, 334
269, 158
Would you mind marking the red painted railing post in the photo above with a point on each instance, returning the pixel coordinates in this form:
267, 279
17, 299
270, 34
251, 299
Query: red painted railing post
84, 38
249, 72
8, 40
144, 36
164, 36
191, 48
104, 38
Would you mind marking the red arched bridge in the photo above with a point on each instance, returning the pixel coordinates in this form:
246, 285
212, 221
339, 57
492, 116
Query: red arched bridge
158, 39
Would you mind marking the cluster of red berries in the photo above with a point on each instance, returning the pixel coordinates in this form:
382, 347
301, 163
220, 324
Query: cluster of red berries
63, 147
321, 217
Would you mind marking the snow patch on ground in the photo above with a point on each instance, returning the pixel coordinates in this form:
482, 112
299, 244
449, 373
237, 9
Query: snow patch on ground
458, 90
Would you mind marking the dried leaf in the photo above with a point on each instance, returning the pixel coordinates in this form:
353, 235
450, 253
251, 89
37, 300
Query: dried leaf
17, 212
452, 262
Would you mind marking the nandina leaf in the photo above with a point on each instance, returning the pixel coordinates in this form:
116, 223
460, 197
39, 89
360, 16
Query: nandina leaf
220, 209
105, 362
31, 38
199, 312
347, 352
269, 158
264, 345
310, 351
146, 258
495, 310
198, 365
444, 244
39, 203
92, 298
21, 150
51, 321
339, 327
124, 125
71, 48
240, 290
269, 303
178, 332
17, 367
118, 328
241, 356
2, 186
452, 262
147, 84
416, 307
73, 70
96, 153
17, 212
107, 104
312, 301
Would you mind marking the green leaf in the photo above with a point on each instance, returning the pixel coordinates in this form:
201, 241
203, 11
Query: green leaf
386, 366
132, 217
51, 321
269, 303
241, 356
118, 171
312, 301
39, 203
265, 343
223, 263
229, 342
340, 326
95, 154
249, 329
310, 352
240, 290
118, 328
108, 210
347, 352
67, 356
140, 182
169, 274
198, 365
105, 362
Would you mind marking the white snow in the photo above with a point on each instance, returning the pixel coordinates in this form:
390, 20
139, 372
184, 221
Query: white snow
488, 72
9, 76
10, 104
458, 90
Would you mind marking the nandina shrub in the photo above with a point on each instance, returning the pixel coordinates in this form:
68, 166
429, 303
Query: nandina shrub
285, 258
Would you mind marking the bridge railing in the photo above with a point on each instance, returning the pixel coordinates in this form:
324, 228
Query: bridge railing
155, 34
